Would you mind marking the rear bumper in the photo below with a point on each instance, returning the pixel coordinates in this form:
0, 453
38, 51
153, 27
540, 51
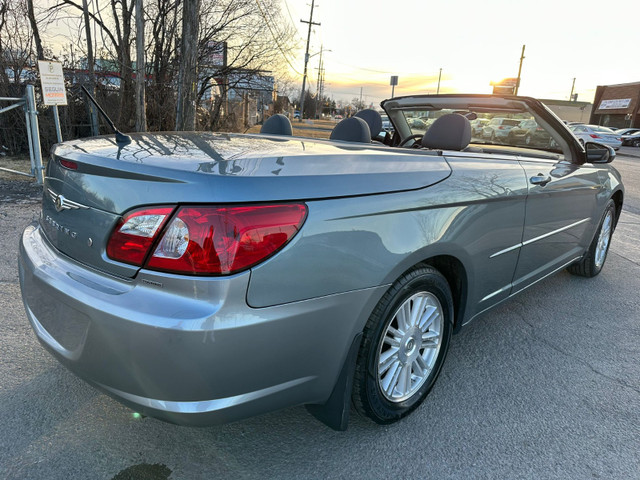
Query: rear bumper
183, 349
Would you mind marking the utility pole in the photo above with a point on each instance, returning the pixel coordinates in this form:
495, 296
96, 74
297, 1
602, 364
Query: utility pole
439, 77
360, 104
318, 99
306, 58
572, 87
519, 70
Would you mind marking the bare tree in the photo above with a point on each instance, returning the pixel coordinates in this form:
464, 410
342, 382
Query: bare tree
34, 29
188, 72
141, 111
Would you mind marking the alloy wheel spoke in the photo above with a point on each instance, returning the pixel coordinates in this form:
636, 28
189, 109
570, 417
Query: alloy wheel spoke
387, 359
393, 341
394, 332
417, 309
390, 381
430, 339
421, 364
404, 379
428, 318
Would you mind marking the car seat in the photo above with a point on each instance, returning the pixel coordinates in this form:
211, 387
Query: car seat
449, 132
353, 129
277, 124
373, 119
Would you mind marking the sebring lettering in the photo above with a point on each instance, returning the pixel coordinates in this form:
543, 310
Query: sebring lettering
60, 228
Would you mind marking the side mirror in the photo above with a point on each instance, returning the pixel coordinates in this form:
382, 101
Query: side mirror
599, 153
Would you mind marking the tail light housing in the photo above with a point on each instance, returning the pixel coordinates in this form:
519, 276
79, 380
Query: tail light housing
593, 135
205, 240
135, 233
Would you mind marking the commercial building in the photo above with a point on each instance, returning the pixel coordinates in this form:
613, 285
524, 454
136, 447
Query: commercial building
570, 111
617, 106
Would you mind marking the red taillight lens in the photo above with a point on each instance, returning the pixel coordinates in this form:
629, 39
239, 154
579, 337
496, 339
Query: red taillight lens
225, 240
593, 135
135, 233
68, 164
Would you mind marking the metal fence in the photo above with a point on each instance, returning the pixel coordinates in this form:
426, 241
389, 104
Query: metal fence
28, 103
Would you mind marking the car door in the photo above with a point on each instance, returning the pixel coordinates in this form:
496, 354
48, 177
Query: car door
560, 216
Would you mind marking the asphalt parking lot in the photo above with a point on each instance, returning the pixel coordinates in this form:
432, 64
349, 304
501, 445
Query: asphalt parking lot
545, 386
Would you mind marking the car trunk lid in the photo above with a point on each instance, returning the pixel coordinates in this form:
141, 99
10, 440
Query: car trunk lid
90, 183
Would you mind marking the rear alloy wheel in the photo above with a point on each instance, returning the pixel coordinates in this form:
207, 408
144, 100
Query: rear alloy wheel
636, 143
527, 140
593, 261
404, 346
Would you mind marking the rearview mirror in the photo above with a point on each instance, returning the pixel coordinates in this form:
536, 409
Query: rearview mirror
599, 153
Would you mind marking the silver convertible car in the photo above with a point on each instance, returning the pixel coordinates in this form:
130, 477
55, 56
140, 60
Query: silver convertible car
203, 278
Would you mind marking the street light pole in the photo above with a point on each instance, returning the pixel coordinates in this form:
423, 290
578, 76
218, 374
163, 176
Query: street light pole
572, 87
439, 77
519, 71
306, 58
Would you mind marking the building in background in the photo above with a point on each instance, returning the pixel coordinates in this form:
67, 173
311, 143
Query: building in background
617, 106
570, 111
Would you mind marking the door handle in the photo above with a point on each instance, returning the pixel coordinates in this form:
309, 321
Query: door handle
540, 179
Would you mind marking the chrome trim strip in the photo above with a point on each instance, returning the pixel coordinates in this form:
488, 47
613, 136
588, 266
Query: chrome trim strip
506, 287
533, 240
506, 250
555, 231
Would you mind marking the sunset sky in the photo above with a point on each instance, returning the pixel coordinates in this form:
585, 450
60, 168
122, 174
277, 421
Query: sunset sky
474, 42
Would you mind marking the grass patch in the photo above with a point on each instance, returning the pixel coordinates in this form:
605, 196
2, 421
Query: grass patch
21, 163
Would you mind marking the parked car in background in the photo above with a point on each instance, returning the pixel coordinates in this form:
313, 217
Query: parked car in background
416, 123
528, 132
498, 128
203, 278
596, 133
386, 123
626, 131
632, 140
477, 125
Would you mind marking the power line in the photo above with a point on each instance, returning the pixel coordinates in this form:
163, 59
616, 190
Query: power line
275, 39
361, 68
286, 4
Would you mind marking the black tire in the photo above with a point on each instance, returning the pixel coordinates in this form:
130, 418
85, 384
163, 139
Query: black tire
368, 396
590, 265
636, 143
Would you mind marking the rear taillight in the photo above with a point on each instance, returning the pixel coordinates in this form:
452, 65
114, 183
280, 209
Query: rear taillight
593, 135
203, 240
225, 240
135, 233
68, 164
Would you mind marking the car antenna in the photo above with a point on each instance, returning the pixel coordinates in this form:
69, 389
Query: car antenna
121, 138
